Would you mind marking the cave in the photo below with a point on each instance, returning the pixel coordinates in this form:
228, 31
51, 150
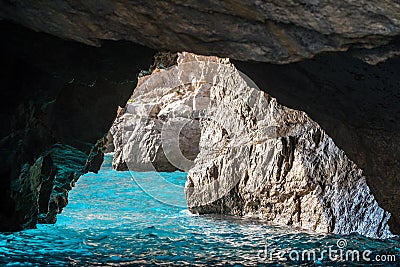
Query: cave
63, 82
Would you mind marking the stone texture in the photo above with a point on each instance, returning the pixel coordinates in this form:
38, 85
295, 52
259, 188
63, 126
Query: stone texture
159, 128
59, 100
263, 160
67, 165
357, 104
272, 31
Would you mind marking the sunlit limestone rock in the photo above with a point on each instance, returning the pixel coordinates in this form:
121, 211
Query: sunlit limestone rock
260, 159
158, 129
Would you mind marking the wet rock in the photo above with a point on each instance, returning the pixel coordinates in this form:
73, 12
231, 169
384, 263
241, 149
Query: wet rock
68, 165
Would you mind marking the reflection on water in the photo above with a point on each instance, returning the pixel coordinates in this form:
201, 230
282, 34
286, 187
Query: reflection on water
110, 221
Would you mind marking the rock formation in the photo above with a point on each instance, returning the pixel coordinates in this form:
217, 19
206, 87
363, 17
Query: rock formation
158, 130
257, 158
356, 104
146, 121
260, 159
59, 99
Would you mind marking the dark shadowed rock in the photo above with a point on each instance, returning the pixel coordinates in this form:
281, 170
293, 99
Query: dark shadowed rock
60, 98
272, 31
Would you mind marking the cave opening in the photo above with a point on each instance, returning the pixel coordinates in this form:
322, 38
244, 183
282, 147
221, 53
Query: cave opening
55, 137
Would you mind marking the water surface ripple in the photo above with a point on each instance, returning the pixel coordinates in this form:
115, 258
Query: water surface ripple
110, 221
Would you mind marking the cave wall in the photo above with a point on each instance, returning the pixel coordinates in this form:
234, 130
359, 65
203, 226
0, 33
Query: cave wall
58, 99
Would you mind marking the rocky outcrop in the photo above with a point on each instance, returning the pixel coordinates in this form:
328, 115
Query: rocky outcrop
257, 158
60, 169
138, 136
274, 31
260, 159
158, 130
59, 100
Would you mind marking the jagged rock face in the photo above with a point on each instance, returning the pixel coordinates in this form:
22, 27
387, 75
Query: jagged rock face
59, 100
357, 104
139, 133
64, 166
138, 138
260, 159
271, 31
158, 130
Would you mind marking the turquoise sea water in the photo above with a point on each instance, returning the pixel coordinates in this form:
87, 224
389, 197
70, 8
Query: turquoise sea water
110, 221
